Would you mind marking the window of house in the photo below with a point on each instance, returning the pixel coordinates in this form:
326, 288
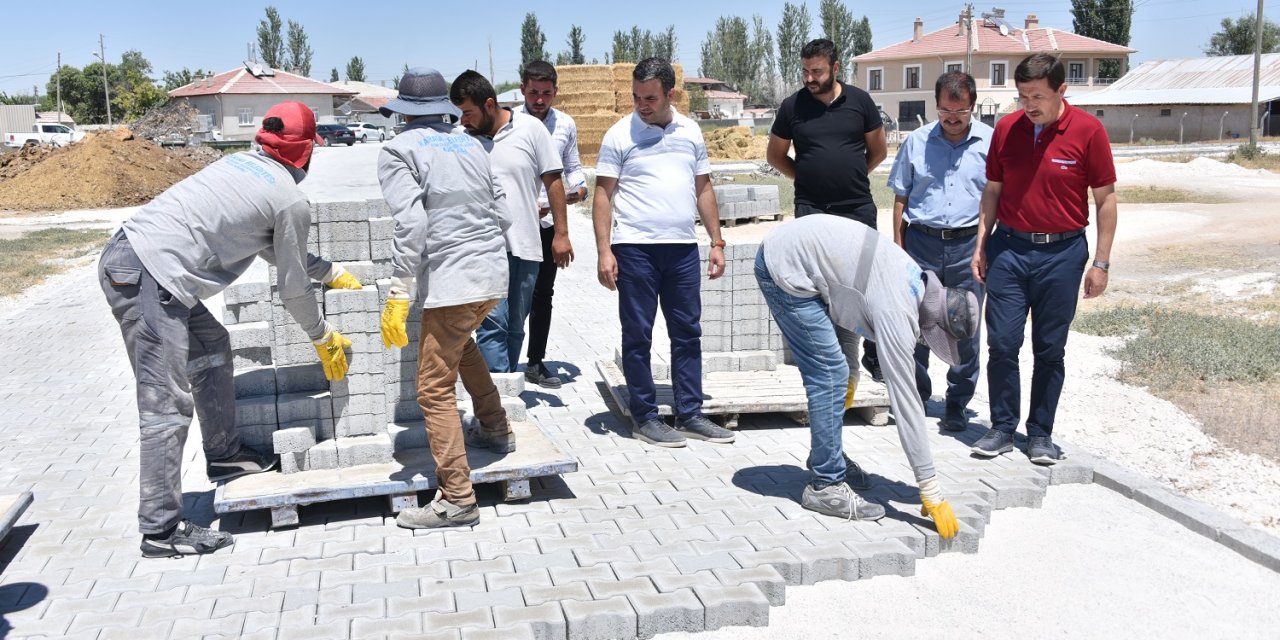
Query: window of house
911, 77
955, 66
246, 117
1165, 113
1099, 112
1075, 72
875, 80
907, 112
998, 74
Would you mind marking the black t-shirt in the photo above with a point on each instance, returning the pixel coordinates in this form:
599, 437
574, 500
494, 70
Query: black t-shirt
831, 146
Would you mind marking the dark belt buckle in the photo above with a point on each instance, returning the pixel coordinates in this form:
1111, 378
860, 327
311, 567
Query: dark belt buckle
1041, 238
949, 234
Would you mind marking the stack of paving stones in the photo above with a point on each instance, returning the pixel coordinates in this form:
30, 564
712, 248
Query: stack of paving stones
283, 400
751, 202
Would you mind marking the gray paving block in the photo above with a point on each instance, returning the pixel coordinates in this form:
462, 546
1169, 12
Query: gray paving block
246, 292
516, 409
612, 618
783, 561
1015, 492
884, 558
509, 384
251, 357
1254, 544
344, 232
509, 597
293, 462
341, 301
739, 605
831, 561
359, 384
358, 450
765, 577
545, 620
1192, 514
324, 455
360, 425
382, 228
256, 410
539, 594
249, 312
966, 539
475, 618
247, 335
293, 440
306, 406
258, 381
407, 436
515, 632
305, 377
604, 589
657, 613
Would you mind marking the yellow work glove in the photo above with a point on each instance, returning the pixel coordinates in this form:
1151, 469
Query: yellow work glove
330, 348
932, 505
394, 316
848, 395
345, 281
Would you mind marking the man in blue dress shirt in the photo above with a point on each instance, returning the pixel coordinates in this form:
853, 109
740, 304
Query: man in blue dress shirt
938, 178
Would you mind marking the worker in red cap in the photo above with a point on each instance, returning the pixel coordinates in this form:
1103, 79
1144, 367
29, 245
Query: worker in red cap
188, 244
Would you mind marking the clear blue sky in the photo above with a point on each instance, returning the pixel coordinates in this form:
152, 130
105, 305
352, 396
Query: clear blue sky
173, 35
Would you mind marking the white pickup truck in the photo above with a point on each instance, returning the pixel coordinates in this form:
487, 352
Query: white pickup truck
52, 133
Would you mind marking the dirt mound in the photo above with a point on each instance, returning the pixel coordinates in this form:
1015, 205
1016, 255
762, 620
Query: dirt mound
109, 169
735, 143
12, 164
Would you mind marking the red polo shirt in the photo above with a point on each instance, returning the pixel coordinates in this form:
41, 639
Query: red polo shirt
1047, 181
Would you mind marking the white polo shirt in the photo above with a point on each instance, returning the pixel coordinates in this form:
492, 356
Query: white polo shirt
564, 136
522, 153
655, 200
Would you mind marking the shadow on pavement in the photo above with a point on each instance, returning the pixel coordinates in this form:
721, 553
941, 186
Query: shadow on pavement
17, 596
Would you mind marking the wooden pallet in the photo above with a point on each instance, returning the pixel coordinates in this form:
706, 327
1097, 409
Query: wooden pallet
12, 506
730, 393
414, 470
733, 222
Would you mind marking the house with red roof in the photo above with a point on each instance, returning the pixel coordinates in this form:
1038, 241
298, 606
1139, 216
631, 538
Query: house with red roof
723, 101
234, 102
901, 76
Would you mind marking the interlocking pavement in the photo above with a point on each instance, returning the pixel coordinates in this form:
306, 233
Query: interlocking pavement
640, 541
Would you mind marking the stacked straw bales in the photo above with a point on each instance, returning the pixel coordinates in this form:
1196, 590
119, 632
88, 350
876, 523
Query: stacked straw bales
598, 95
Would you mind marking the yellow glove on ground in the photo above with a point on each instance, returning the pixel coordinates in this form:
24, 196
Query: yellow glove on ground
345, 281
932, 505
332, 357
394, 316
848, 395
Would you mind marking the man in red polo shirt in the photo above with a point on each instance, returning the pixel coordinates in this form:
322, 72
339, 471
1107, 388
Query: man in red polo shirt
1042, 163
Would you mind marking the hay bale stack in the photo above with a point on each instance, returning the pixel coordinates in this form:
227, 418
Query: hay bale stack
598, 95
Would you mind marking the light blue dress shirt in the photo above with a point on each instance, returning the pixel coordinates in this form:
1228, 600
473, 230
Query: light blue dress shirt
942, 182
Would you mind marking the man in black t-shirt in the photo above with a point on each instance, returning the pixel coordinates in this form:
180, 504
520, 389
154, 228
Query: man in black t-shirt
839, 140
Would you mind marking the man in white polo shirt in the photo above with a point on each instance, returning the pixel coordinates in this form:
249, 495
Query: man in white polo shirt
652, 178
525, 161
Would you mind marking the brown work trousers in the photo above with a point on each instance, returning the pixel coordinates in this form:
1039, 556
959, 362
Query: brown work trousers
445, 351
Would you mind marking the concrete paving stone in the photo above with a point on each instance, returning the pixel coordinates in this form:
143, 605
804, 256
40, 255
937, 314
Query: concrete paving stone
721, 546
751, 514
474, 536
666, 582
498, 581
155, 630
1254, 544
839, 535
510, 385
831, 561
537, 594
70, 608
441, 634
605, 589
766, 578
474, 582
671, 536
782, 560
612, 618
966, 539
702, 561
628, 570
258, 381
491, 550
605, 554
338, 563
632, 539
1071, 471
183, 578
309, 581
651, 552
475, 618
658, 613
545, 621
1019, 492
464, 568
337, 613
538, 518
256, 410
435, 601
740, 605
383, 559
645, 523
293, 440
332, 579
85, 623
568, 543
576, 529
893, 529
468, 600
229, 606
789, 540
562, 559
189, 628
313, 632
119, 585
561, 576
198, 592
603, 515
515, 632
357, 450
381, 627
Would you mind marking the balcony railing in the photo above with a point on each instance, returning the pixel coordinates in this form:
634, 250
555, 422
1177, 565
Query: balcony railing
1090, 82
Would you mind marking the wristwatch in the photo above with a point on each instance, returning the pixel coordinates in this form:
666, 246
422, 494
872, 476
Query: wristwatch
1105, 265
717, 244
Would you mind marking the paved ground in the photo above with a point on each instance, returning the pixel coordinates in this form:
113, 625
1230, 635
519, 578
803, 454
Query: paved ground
638, 541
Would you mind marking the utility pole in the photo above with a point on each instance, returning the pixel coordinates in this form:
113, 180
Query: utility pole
106, 89
968, 38
1255, 116
59, 84
1257, 70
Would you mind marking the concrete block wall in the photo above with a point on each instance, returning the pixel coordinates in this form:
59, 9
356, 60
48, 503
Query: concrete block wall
738, 201
283, 400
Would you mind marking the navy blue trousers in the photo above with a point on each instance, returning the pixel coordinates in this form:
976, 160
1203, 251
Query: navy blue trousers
950, 260
669, 275
1043, 279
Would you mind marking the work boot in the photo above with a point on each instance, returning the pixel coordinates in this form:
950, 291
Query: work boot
872, 365
189, 539
537, 373
495, 442
241, 463
840, 501
1042, 450
701, 428
955, 420
656, 432
439, 513
994, 443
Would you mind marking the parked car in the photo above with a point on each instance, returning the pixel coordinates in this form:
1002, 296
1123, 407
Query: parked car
365, 131
335, 134
44, 133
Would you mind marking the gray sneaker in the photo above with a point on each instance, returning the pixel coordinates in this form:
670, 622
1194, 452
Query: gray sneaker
439, 513
840, 501
495, 442
656, 432
189, 539
1042, 450
701, 428
994, 443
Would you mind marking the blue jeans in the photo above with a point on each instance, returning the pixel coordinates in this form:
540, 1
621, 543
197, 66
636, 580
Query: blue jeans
1045, 280
670, 275
811, 335
949, 260
501, 334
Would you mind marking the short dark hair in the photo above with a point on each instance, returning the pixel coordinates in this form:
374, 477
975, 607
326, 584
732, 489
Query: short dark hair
470, 85
539, 70
820, 47
655, 68
955, 83
1041, 65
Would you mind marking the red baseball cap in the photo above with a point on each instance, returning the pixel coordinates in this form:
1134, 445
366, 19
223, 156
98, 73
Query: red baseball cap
288, 133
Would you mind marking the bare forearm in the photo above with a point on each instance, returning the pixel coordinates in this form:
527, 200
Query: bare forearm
559, 208
601, 219
1108, 212
899, 223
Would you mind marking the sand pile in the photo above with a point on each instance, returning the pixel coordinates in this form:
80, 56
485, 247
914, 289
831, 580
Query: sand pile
598, 95
109, 169
735, 143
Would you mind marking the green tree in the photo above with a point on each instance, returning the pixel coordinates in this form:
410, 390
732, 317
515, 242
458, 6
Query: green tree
637, 44
664, 44
1105, 20
132, 91
576, 41
840, 27
1237, 37
533, 42
355, 70
333, 75
300, 52
395, 82
270, 42
793, 33
174, 79
739, 57
19, 98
